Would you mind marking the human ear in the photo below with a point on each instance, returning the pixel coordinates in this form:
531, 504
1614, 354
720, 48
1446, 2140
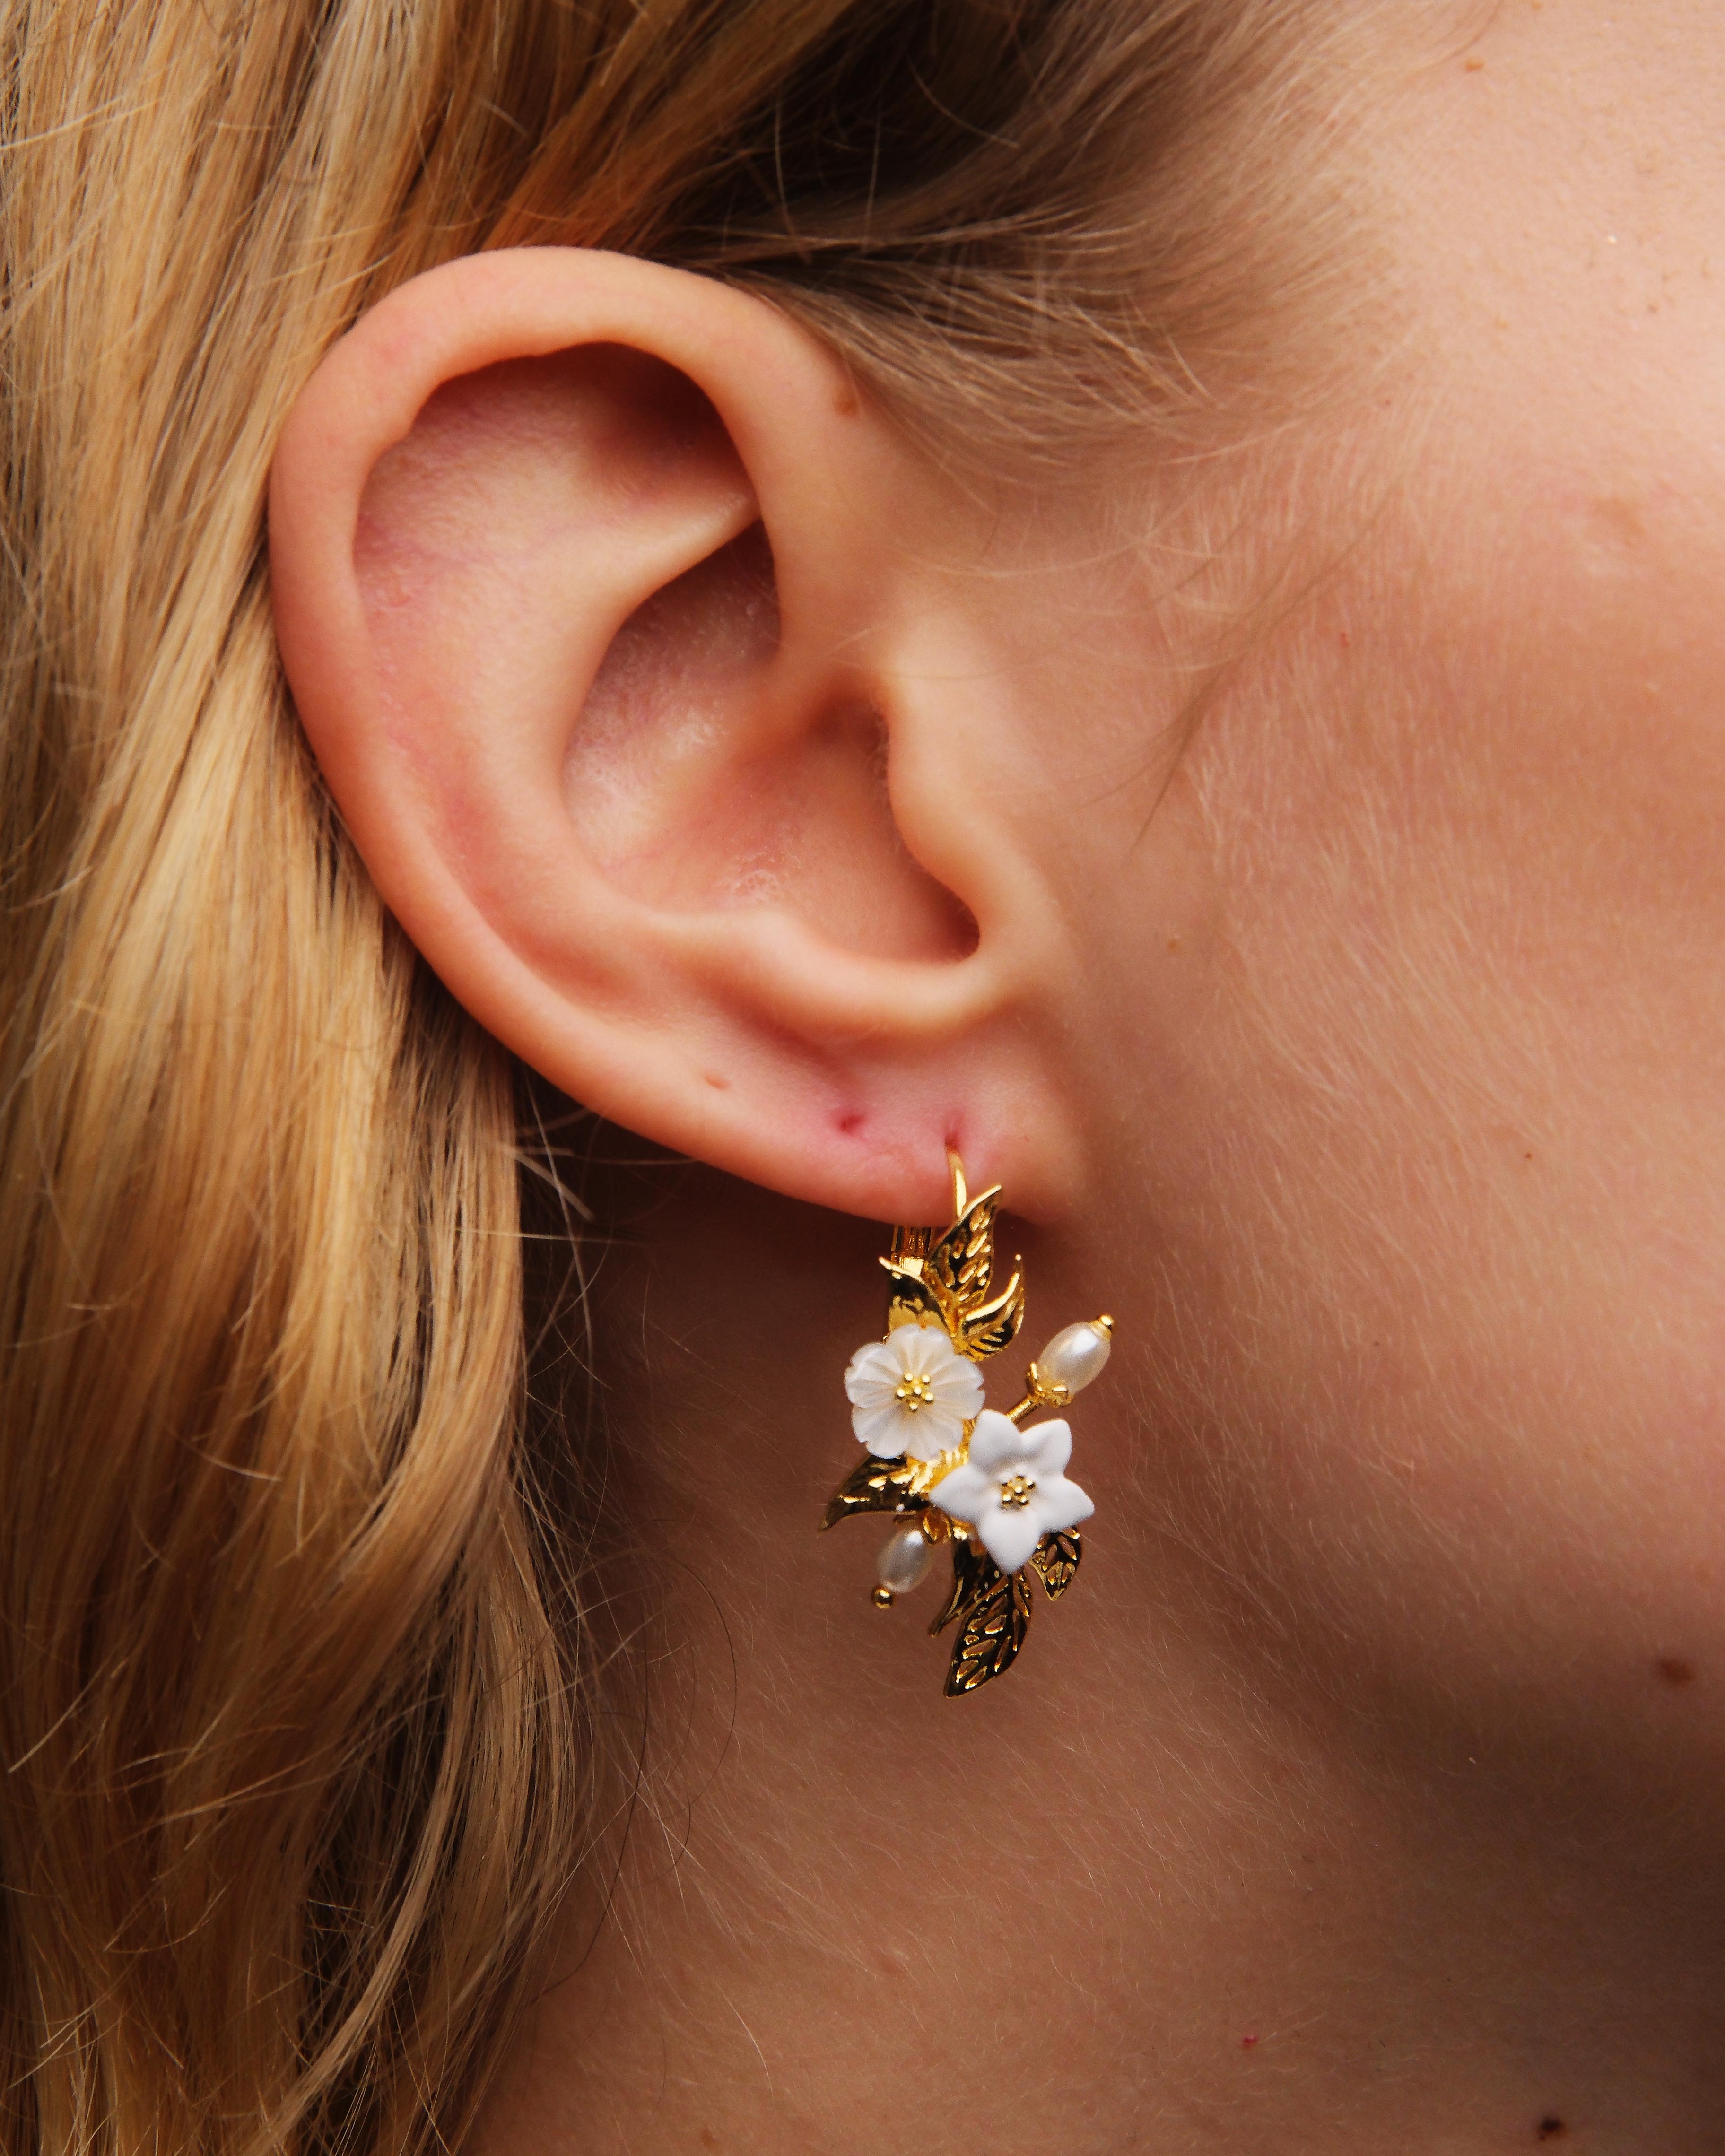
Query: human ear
608, 606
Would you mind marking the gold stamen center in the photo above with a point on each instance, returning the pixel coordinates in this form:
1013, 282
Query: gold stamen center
913, 1393
1016, 1490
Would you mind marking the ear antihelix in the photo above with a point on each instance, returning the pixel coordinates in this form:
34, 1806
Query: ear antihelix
953, 1473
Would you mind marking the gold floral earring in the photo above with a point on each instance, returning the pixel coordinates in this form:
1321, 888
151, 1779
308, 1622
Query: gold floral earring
995, 1493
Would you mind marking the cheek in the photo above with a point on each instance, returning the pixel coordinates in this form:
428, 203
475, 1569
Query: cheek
1430, 1127
1452, 1133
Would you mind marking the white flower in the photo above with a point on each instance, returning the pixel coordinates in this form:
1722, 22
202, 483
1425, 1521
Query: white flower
911, 1393
1013, 1488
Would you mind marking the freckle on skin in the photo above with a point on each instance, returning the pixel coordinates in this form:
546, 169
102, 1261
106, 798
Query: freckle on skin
1622, 519
1473, 63
719, 1085
1550, 2127
1247, 2043
851, 1122
1673, 1670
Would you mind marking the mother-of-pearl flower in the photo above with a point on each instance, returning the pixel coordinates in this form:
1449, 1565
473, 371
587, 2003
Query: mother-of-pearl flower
911, 1393
1013, 1489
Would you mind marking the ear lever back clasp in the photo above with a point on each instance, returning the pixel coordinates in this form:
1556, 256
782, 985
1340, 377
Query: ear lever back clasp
953, 1471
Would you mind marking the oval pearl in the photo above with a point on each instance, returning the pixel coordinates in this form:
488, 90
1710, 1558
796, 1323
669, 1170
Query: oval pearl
1073, 1358
904, 1559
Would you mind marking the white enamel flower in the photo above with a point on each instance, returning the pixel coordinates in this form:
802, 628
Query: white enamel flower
1013, 1489
911, 1393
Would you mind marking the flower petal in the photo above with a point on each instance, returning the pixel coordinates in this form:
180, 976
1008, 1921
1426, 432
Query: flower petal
871, 1396
995, 1444
873, 1365
932, 1431
1059, 1503
1047, 1447
1009, 1533
920, 1347
960, 1387
882, 1429
961, 1494
927, 1352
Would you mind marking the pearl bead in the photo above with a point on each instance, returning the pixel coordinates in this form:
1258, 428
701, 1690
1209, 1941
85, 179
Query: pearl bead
1073, 1358
904, 1559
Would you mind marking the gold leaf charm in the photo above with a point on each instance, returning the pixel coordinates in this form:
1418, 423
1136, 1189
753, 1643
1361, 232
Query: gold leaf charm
916, 1299
993, 1633
1056, 1558
995, 1325
874, 1486
974, 1574
963, 1257
958, 1273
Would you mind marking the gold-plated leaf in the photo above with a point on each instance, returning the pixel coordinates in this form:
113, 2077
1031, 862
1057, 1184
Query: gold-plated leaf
963, 1258
995, 1325
1056, 1558
974, 1574
874, 1486
991, 1634
914, 1299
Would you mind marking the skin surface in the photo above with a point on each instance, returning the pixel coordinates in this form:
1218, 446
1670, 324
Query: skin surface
1333, 976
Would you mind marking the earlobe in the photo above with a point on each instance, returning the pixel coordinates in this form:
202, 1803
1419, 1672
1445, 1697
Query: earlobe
594, 589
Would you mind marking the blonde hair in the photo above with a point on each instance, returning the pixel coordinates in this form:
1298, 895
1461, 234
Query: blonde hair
293, 1717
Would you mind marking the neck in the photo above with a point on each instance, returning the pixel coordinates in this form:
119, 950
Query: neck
1182, 1879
